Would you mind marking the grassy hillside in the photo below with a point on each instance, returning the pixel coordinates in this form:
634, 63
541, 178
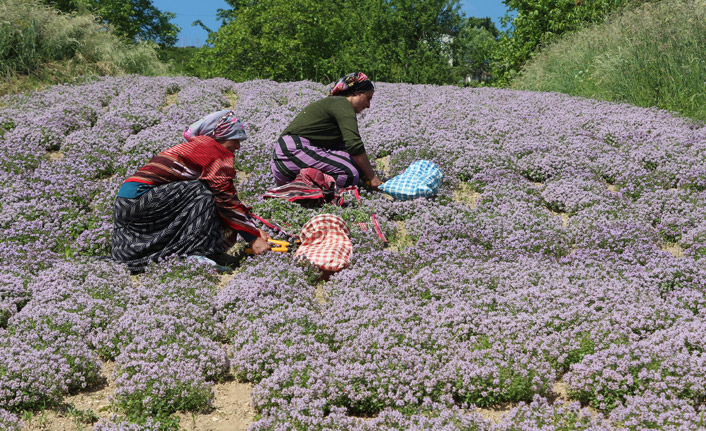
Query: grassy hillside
654, 55
39, 46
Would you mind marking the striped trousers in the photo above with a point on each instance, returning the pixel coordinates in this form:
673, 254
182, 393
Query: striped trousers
176, 218
293, 153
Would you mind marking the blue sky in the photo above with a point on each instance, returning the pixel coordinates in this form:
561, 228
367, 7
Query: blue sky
188, 11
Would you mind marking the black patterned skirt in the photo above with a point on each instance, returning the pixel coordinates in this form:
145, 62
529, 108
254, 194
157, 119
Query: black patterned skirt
176, 218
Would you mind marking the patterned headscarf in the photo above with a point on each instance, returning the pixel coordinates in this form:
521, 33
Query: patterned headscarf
221, 125
356, 82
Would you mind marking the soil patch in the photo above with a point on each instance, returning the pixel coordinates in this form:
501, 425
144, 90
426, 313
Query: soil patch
171, 99
231, 97
466, 194
80, 410
231, 410
320, 294
674, 249
55, 155
496, 413
242, 176
401, 239
225, 279
564, 217
560, 392
383, 164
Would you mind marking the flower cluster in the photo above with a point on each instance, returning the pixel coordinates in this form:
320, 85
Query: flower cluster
9, 421
167, 343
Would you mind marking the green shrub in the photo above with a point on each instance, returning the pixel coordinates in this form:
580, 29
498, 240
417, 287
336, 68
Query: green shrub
654, 55
182, 61
39, 44
288, 40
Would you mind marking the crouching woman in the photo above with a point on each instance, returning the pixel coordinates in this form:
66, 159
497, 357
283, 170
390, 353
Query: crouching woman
325, 136
183, 201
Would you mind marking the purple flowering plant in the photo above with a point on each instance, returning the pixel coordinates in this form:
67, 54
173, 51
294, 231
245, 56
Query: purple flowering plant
9, 421
578, 259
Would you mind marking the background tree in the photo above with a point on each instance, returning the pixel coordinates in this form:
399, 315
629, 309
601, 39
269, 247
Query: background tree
424, 32
473, 48
392, 40
484, 23
131, 19
283, 40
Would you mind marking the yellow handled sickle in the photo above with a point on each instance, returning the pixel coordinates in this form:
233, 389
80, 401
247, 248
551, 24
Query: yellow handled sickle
282, 246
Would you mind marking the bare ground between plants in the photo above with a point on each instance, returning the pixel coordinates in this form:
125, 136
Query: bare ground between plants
231, 409
558, 394
55, 155
79, 407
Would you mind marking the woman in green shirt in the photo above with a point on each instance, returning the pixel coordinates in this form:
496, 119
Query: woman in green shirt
325, 136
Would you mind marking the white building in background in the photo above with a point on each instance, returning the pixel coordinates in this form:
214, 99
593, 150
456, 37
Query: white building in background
447, 40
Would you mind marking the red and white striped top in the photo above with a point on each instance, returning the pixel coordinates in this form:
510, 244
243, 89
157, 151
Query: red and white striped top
205, 159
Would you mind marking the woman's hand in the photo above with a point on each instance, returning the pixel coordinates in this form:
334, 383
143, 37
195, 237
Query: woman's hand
260, 245
264, 235
375, 183
367, 171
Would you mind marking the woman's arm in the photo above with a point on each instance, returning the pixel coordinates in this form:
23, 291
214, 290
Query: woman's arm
367, 169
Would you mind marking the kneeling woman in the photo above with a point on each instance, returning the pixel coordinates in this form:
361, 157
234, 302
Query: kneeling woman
183, 201
325, 136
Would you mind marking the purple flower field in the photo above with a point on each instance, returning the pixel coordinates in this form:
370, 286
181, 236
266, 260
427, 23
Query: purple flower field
567, 248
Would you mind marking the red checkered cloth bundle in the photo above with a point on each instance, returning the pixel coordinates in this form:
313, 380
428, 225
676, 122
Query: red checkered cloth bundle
326, 243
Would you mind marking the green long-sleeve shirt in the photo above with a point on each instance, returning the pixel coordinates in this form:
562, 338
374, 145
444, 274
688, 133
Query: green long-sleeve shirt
329, 123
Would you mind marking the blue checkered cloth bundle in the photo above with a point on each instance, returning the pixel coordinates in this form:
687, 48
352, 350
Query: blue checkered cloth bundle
421, 179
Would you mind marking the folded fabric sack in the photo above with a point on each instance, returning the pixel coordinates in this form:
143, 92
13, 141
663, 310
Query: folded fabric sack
310, 188
421, 179
326, 243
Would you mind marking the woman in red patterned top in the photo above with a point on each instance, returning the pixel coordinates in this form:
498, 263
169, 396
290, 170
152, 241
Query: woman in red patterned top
183, 201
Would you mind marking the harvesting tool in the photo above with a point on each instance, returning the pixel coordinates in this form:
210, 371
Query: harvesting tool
277, 245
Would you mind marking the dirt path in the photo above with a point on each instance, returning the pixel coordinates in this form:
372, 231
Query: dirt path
497, 412
80, 410
231, 410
